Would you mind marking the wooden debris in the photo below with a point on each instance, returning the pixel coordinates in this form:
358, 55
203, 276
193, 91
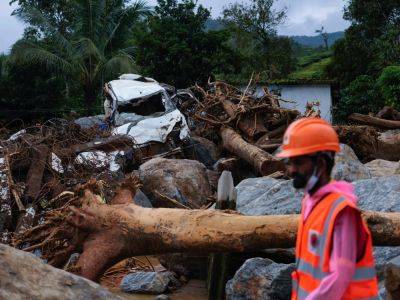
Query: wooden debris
374, 121
35, 173
263, 162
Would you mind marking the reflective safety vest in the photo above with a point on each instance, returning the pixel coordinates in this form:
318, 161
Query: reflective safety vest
313, 250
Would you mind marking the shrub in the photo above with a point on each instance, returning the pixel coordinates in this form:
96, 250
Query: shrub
389, 84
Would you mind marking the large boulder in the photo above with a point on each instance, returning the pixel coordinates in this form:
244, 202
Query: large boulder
24, 276
260, 278
381, 167
348, 167
268, 196
183, 180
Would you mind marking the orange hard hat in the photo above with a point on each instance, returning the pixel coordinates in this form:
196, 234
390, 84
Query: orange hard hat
307, 136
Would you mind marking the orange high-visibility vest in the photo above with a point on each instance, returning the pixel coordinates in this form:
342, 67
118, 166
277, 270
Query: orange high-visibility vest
313, 245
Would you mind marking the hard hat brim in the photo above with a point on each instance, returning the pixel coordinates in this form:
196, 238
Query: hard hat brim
309, 150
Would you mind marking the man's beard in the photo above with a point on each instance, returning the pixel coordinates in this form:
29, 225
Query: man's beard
299, 181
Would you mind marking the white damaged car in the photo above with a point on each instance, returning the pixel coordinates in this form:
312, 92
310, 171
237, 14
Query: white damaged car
141, 108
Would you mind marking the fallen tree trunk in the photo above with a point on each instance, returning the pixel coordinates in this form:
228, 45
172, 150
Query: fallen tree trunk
373, 121
252, 129
368, 143
263, 162
115, 232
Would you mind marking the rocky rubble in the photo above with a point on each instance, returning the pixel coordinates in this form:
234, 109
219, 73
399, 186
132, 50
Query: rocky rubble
24, 276
148, 282
260, 278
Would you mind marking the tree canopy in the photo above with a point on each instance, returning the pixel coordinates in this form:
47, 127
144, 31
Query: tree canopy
173, 47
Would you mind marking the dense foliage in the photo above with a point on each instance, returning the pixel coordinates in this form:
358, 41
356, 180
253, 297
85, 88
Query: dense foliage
389, 84
173, 47
254, 34
370, 44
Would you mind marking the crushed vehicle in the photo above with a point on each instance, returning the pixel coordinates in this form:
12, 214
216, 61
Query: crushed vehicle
143, 109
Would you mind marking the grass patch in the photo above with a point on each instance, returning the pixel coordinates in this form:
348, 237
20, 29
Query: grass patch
315, 70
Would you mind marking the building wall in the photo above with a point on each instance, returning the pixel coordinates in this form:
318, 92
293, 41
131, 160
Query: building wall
303, 93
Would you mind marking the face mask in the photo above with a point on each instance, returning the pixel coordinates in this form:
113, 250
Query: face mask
300, 181
312, 181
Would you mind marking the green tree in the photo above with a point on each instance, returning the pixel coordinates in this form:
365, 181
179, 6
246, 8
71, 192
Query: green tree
255, 34
361, 96
389, 84
90, 52
371, 42
175, 48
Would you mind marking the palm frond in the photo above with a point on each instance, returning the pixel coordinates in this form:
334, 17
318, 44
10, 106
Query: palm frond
90, 21
33, 16
119, 18
27, 52
116, 65
85, 48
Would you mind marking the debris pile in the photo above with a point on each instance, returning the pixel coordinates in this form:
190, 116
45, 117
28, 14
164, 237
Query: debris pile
154, 147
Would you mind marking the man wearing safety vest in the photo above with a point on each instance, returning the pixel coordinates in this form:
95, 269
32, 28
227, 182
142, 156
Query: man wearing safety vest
334, 257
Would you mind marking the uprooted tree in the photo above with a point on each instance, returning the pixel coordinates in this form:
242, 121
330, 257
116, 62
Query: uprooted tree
106, 234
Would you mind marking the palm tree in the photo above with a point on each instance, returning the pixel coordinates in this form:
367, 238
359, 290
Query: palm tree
92, 52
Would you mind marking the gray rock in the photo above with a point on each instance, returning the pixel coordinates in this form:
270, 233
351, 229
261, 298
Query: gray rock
162, 297
379, 194
181, 179
141, 199
88, 122
268, 196
24, 276
260, 278
348, 167
212, 149
381, 167
382, 256
147, 282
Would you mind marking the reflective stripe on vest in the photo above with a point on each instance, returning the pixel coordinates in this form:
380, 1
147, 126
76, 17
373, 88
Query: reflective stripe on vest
361, 273
299, 291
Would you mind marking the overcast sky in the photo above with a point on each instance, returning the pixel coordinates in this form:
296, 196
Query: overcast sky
304, 16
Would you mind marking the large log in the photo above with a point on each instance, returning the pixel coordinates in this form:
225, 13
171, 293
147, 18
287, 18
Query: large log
263, 162
368, 143
114, 232
373, 121
252, 128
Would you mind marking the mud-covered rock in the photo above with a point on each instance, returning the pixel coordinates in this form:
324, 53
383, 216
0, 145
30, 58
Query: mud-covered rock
147, 282
392, 279
24, 276
211, 148
381, 167
260, 278
183, 180
382, 256
141, 199
348, 167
